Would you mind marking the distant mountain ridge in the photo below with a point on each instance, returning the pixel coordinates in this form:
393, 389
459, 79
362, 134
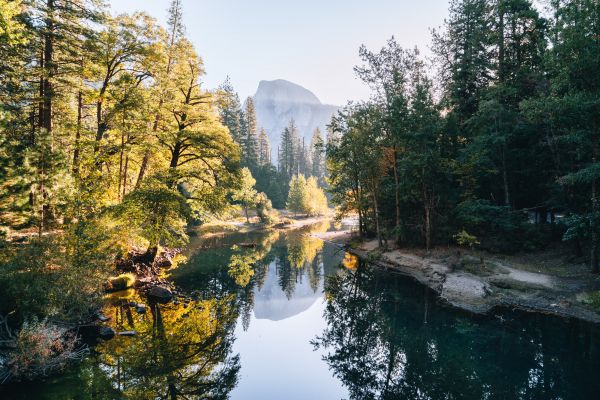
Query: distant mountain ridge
279, 101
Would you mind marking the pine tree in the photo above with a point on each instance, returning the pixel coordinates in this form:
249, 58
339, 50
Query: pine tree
317, 148
230, 110
250, 140
288, 151
264, 148
297, 196
463, 52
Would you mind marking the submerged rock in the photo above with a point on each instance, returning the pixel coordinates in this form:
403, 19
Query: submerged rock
140, 308
106, 333
160, 294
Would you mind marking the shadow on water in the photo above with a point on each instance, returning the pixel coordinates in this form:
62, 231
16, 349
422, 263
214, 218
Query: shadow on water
381, 336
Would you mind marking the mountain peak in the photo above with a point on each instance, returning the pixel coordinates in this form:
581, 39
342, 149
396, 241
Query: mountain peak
279, 101
280, 90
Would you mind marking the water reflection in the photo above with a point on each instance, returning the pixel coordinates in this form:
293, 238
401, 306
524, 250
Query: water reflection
180, 351
387, 338
260, 304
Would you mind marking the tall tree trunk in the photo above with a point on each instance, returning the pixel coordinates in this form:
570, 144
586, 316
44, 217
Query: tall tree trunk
397, 194
501, 45
78, 133
46, 96
101, 125
125, 176
376, 212
505, 178
49, 68
143, 167
427, 210
121, 155
594, 264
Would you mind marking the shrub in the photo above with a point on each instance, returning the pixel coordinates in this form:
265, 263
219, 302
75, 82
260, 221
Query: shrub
41, 349
122, 282
306, 197
463, 238
264, 210
499, 228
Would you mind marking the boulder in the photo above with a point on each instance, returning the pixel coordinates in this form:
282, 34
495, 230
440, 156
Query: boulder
140, 308
106, 333
160, 294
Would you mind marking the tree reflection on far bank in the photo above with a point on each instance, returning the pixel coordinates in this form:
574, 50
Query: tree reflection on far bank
388, 338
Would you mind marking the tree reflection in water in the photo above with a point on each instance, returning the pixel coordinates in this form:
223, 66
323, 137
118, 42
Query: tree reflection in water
387, 338
180, 351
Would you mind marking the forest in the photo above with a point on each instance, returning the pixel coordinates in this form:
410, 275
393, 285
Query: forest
494, 143
110, 144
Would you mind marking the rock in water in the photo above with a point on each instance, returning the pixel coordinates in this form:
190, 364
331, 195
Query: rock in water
140, 308
106, 333
160, 294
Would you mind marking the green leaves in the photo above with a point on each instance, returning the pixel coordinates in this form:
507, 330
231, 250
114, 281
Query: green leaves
157, 212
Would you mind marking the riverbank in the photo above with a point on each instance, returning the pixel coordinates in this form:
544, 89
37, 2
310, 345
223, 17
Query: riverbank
543, 282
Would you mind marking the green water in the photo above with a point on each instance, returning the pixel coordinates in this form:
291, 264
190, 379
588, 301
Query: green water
294, 318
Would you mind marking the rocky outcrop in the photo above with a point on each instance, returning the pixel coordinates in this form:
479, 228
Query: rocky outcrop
146, 263
496, 285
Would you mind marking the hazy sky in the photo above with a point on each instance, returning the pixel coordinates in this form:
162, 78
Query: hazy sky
310, 42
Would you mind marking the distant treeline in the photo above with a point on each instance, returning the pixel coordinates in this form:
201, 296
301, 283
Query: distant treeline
295, 156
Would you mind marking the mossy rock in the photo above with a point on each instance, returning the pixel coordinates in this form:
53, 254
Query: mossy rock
121, 282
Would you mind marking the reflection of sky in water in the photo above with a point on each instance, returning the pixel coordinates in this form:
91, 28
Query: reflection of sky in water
271, 302
280, 333
300, 372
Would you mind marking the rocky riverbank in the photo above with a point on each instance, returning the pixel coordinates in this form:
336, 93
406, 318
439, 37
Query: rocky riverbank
480, 282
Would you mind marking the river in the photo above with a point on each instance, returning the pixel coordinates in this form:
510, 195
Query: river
291, 317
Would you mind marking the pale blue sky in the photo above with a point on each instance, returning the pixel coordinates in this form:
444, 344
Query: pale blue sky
310, 42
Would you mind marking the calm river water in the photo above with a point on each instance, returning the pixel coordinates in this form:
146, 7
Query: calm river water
296, 318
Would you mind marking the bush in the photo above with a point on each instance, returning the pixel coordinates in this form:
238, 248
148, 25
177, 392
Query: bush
264, 210
41, 349
121, 282
463, 238
499, 228
306, 197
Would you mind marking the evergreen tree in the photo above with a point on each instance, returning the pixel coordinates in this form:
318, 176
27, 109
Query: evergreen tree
264, 148
250, 145
297, 196
317, 147
230, 110
463, 51
288, 151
